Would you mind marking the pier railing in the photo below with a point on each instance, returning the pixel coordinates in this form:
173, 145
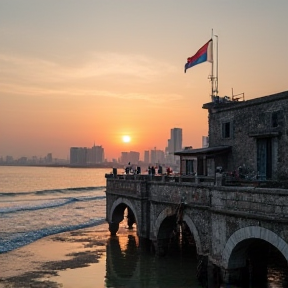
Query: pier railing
207, 180
218, 180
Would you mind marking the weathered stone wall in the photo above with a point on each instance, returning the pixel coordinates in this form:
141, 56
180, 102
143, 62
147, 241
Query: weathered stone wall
219, 217
225, 226
251, 119
131, 188
177, 193
202, 220
259, 202
234, 208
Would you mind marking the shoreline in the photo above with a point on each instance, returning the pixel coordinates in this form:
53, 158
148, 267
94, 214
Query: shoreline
52, 261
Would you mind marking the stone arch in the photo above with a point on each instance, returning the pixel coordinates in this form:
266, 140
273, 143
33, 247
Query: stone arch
195, 233
251, 232
168, 211
122, 201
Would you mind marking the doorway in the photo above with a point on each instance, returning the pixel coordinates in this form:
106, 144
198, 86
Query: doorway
264, 158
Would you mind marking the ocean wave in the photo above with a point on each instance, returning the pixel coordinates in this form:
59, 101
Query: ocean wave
22, 239
51, 191
50, 204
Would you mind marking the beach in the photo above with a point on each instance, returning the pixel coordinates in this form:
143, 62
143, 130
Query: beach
69, 259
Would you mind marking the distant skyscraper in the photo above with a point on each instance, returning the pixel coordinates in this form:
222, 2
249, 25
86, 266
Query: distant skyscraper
132, 157
176, 139
78, 155
95, 155
49, 158
73, 155
153, 156
174, 144
84, 156
157, 157
146, 156
205, 141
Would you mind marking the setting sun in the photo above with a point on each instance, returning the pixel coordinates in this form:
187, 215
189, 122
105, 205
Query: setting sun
126, 139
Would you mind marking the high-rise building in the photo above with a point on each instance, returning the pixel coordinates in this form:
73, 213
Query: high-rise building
132, 157
205, 141
49, 158
146, 157
9, 159
78, 155
157, 157
174, 145
95, 155
176, 139
84, 156
125, 158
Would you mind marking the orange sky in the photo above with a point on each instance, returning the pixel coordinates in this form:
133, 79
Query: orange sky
75, 72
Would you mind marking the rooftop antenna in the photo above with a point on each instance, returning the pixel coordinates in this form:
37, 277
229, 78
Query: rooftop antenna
235, 98
216, 78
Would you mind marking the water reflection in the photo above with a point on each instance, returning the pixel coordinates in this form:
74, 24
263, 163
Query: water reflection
134, 267
129, 265
266, 267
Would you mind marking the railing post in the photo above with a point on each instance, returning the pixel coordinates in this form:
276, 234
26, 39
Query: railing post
218, 180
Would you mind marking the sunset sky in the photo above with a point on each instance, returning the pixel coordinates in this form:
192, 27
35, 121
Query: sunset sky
77, 72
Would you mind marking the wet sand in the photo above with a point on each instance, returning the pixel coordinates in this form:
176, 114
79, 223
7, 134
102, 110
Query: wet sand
71, 259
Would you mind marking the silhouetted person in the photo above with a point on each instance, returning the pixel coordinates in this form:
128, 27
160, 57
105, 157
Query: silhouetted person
168, 170
149, 170
138, 170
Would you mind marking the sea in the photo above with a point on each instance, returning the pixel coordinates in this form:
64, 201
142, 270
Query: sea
36, 202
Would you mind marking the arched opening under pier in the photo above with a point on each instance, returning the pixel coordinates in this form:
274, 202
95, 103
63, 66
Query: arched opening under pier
258, 260
122, 210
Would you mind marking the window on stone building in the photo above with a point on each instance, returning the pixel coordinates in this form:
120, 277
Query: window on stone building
189, 167
274, 119
226, 130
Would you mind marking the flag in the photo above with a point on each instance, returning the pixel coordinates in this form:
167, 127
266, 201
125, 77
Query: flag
205, 53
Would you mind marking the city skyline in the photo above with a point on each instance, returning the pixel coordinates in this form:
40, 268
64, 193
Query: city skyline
78, 72
174, 143
43, 158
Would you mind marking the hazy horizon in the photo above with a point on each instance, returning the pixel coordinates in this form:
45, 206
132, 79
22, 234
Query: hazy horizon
75, 73
30, 156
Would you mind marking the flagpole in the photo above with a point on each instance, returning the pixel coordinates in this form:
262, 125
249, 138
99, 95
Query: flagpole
212, 70
216, 91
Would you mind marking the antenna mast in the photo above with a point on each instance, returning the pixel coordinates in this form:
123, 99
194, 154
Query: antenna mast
216, 79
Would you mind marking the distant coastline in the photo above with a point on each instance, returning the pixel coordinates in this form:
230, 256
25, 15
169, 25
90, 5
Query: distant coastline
101, 165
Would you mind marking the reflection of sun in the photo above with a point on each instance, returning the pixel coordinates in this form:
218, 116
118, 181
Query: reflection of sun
126, 139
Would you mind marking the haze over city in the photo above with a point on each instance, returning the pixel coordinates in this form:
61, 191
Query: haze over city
75, 73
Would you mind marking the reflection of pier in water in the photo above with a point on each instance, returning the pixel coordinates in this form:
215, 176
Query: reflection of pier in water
122, 260
129, 266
